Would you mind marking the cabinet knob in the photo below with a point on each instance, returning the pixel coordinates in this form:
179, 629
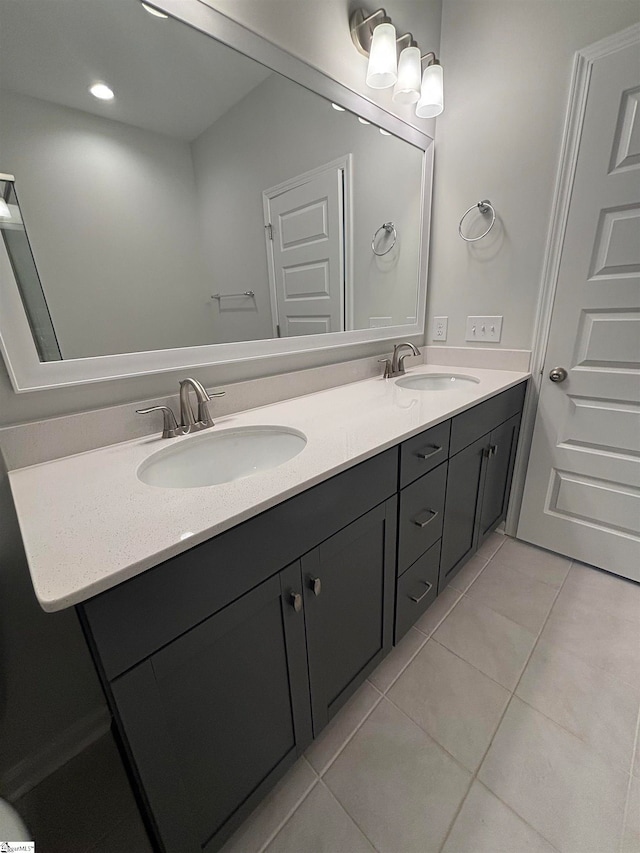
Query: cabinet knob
296, 601
315, 585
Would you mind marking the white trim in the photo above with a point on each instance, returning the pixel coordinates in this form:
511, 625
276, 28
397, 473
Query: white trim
345, 164
581, 76
27, 373
35, 767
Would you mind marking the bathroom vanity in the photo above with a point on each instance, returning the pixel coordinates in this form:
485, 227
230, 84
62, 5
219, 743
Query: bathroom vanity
220, 664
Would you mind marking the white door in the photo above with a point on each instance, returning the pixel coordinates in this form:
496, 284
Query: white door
582, 491
305, 227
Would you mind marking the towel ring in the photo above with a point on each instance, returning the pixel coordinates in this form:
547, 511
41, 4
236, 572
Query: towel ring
484, 207
388, 227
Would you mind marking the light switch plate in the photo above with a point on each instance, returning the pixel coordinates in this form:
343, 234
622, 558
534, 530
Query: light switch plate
484, 329
439, 328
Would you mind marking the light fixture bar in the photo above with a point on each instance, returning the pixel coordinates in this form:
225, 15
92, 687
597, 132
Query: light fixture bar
362, 26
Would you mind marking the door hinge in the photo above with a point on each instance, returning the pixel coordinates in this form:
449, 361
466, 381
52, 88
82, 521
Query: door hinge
269, 229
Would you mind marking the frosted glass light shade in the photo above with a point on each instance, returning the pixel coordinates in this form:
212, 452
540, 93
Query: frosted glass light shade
407, 88
431, 101
382, 70
5, 213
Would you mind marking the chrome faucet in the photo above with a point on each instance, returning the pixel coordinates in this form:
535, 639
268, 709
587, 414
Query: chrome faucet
394, 366
188, 421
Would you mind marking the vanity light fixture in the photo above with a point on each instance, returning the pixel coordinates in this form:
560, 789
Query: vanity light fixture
5, 213
102, 92
156, 12
375, 36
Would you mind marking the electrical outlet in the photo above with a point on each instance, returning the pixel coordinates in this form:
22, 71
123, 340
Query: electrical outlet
484, 329
439, 328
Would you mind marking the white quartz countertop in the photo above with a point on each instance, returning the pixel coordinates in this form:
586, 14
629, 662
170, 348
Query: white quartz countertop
88, 523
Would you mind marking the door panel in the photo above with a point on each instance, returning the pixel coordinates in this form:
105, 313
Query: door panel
225, 699
306, 221
497, 481
349, 621
582, 492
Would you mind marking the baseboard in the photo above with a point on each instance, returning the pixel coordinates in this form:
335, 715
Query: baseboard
32, 769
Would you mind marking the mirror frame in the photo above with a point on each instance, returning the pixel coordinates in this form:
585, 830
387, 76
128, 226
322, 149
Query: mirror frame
28, 373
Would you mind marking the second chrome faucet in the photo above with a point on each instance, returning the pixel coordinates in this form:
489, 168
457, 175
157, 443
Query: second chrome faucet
189, 422
394, 366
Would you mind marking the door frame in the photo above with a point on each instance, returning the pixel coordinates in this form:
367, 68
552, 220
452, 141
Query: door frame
346, 164
583, 63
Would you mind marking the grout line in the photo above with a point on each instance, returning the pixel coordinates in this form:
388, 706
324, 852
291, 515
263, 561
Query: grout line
351, 818
625, 813
290, 813
350, 737
508, 705
459, 594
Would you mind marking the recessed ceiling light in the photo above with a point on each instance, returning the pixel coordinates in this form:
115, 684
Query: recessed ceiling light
384, 132
102, 92
152, 11
363, 120
338, 107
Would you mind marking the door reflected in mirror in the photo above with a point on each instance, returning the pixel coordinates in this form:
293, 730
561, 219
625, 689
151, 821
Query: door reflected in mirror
210, 200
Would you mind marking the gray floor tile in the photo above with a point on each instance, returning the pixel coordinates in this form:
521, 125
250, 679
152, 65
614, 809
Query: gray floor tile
636, 762
67, 813
514, 594
263, 823
539, 564
492, 643
334, 736
466, 576
555, 782
391, 667
631, 834
491, 545
597, 637
320, 825
399, 786
486, 825
452, 701
614, 595
590, 703
443, 604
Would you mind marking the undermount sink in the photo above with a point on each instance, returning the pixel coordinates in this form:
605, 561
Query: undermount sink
438, 382
220, 457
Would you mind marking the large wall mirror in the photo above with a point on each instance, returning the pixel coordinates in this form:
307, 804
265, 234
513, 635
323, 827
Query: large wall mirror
226, 202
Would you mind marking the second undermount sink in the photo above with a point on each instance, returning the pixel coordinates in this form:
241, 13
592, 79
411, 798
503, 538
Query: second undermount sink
438, 382
219, 457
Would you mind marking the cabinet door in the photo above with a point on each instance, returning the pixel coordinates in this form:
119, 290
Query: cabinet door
348, 591
499, 471
215, 718
462, 506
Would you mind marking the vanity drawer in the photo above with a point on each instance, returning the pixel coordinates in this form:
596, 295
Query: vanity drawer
417, 590
423, 452
421, 514
479, 420
131, 621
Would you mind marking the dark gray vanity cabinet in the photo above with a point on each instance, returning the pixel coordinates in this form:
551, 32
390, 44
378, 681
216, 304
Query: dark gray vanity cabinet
483, 447
220, 670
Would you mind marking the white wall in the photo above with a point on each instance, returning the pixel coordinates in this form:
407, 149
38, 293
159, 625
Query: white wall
507, 71
280, 131
111, 216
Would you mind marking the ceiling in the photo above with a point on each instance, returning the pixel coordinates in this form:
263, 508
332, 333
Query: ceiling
167, 77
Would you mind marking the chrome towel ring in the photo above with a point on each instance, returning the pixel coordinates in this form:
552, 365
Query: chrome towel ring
388, 228
484, 207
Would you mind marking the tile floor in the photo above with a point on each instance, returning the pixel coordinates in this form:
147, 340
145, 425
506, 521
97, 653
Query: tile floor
505, 721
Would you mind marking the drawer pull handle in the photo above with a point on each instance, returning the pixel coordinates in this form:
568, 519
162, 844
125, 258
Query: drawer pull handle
316, 586
426, 518
296, 601
424, 454
418, 598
